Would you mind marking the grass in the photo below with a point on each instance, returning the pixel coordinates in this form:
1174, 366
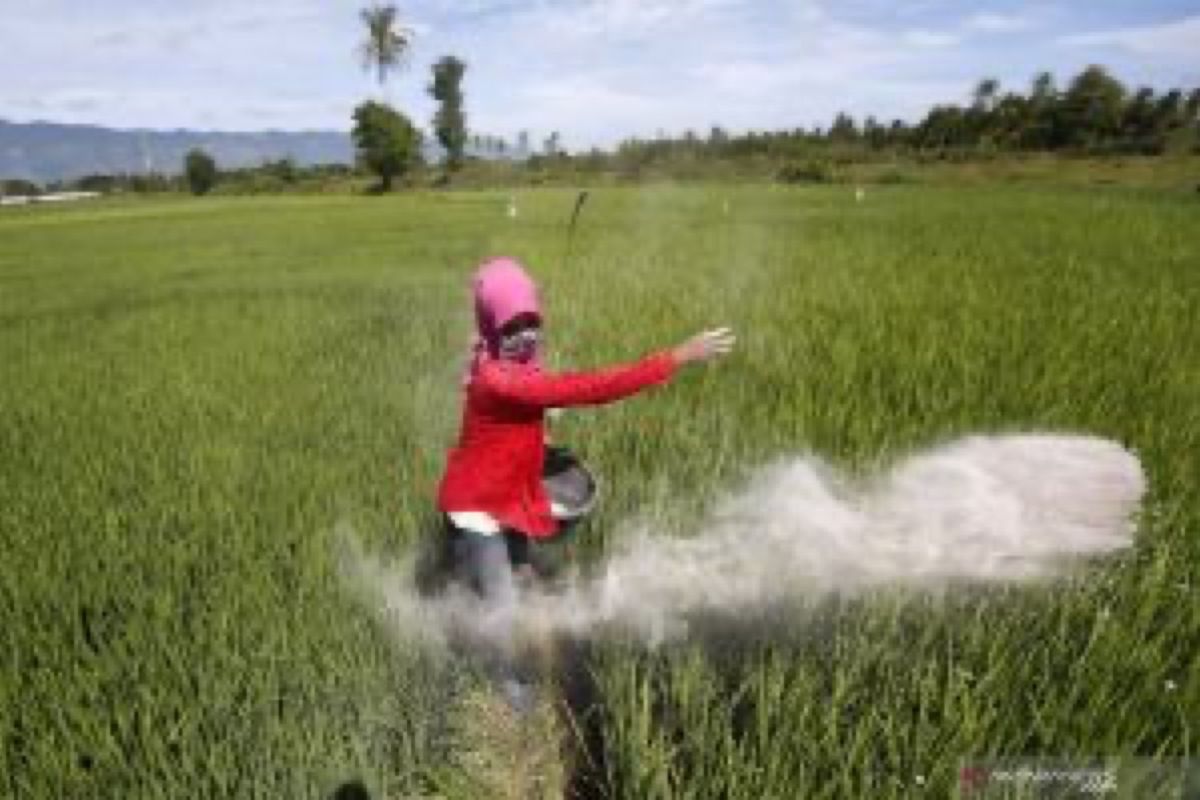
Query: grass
196, 394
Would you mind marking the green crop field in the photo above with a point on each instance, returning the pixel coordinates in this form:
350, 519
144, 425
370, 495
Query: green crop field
200, 398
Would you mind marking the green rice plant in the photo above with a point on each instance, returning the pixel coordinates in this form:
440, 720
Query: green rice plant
199, 397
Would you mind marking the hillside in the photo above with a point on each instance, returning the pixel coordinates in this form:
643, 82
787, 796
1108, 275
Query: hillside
44, 151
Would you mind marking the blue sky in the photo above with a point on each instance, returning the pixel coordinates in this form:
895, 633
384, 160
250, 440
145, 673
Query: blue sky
596, 70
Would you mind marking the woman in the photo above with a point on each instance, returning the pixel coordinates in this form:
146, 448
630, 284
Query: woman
492, 494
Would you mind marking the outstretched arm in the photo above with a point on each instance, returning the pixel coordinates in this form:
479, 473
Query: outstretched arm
604, 385
596, 387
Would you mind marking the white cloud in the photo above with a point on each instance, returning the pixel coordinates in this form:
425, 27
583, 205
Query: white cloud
600, 21
204, 29
989, 22
1178, 38
930, 39
610, 109
596, 70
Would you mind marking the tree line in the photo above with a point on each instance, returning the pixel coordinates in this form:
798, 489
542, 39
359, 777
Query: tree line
1095, 114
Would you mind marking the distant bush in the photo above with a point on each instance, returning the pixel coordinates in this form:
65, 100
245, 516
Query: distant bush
814, 171
19, 186
98, 183
253, 183
285, 176
893, 177
201, 171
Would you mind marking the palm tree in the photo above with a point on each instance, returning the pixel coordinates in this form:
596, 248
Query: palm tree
1042, 89
985, 94
1042, 128
1193, 106
387, 41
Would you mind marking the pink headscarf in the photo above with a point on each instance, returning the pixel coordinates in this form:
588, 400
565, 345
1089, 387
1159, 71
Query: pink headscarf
502, 290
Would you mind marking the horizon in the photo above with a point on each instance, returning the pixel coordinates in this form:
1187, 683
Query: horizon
216, 131
597, 71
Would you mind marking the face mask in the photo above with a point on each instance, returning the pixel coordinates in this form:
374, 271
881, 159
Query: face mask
520, 346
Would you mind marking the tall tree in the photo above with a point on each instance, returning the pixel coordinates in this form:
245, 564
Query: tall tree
387, 40
1171, 121
1042, 130
980, 121
1192, 109
1192, 106
1009, 120
1137, 120
386, 141
449, 122
943, 127
843, 128
1092, 107
201, 171
874, 133
985, 94
1171, 110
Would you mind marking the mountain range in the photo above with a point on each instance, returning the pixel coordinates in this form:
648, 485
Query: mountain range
49, 151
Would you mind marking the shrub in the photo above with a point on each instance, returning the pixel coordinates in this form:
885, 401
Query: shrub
201, 171
814, 171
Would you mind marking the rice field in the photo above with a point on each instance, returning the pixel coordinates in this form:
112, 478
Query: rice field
199, 398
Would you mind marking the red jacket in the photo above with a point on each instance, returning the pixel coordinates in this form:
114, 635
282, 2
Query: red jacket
497, 465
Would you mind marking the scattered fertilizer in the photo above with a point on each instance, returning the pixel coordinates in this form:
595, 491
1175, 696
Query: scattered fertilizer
983, 509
